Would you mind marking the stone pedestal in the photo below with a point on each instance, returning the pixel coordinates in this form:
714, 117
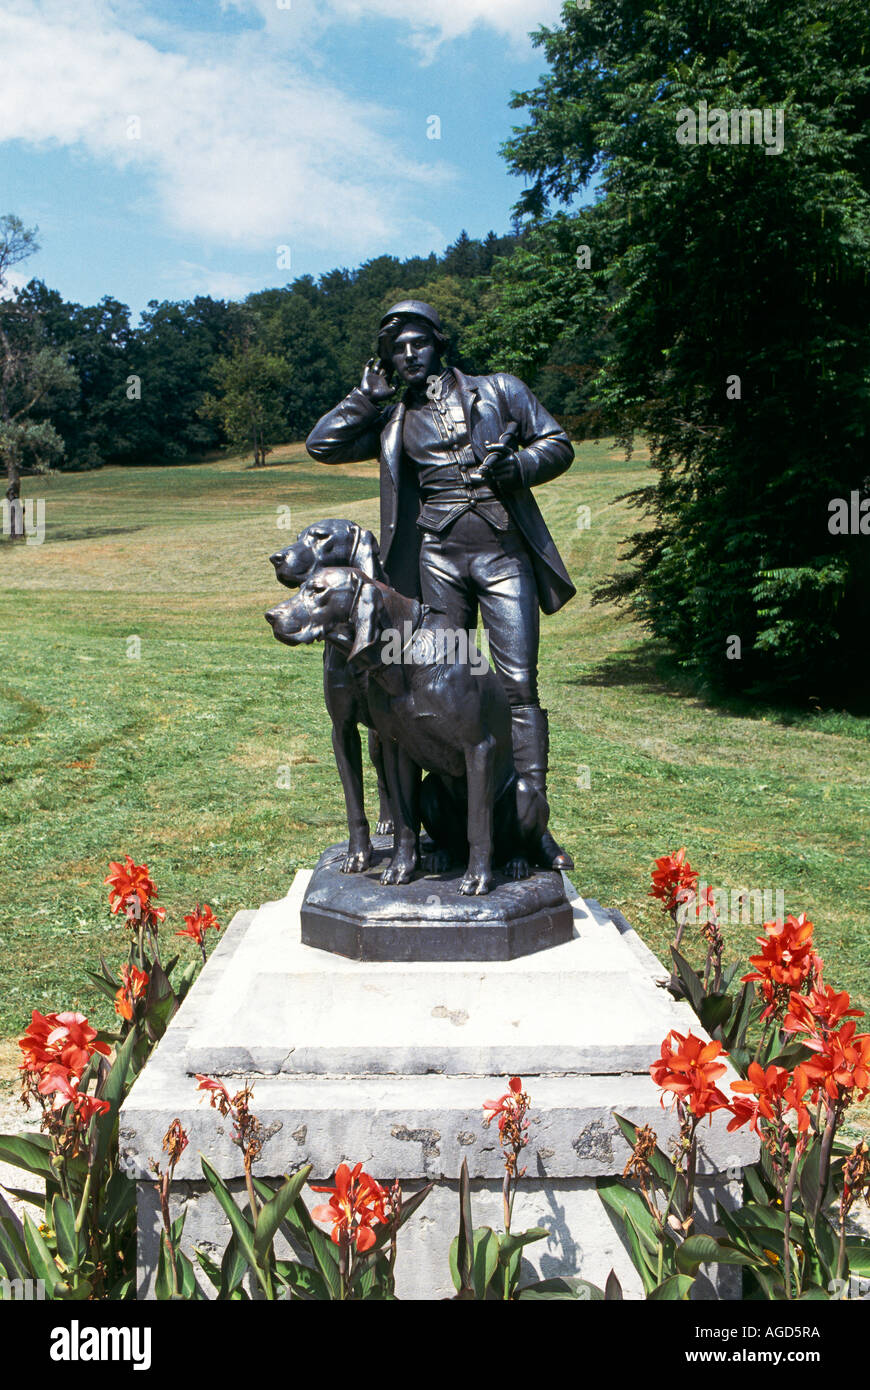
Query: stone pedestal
390, 1062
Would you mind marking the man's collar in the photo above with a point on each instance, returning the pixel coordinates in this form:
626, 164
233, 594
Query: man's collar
416, 395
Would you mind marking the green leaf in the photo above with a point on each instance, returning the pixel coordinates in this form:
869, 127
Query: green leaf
31, 1152
672, 1290
307, 1284
13, 1252
208, 1267
63, 1219
114, 1090
465, 1242
484, 1260
23, 1194
509, 1245
715, 1011
858, 1253
561, 1288
690, 980
274, 1211
698, 1250
323, 1250
42, 1260
625, 1202
119, 1201
239, 1224
791, 1055
612, 1289
103, 985
233, 1266
808, 1179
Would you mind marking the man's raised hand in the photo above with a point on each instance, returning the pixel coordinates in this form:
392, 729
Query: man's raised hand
375, 382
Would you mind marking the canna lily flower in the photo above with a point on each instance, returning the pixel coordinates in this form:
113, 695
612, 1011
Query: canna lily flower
673, 880
63, 1040
134, 984
767, 1094
786, 962
842, 1065
198, 923
506, 1105
820, 1012
65, 1089
688, 1069
218, 1095
132, 889
355, 1206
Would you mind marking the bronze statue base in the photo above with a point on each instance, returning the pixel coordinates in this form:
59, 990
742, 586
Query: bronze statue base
356, 916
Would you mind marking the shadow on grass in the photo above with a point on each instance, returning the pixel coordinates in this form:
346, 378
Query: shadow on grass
650, 669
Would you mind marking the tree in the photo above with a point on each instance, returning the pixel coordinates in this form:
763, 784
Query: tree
250, 383
733, 277
33, 376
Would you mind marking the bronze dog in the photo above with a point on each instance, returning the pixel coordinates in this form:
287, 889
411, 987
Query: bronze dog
339, 542
449, 717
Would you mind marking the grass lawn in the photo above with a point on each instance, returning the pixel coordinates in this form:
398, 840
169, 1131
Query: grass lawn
176, 758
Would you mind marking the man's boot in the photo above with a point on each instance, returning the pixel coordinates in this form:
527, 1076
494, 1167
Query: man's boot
531, 740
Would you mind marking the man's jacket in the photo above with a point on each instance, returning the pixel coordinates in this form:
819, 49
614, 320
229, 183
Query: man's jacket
357, 429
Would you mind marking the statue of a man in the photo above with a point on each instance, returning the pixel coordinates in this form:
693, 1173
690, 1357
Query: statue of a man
460, 528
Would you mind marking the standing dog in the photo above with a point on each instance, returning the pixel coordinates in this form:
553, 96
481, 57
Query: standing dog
338, 542
450, 717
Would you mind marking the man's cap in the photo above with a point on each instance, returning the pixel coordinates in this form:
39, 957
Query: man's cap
412, 309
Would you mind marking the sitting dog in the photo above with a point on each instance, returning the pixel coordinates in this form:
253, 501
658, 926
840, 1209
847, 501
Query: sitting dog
449, 717
338, 542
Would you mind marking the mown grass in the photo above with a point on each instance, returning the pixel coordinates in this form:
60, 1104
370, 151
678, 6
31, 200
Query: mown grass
176, 757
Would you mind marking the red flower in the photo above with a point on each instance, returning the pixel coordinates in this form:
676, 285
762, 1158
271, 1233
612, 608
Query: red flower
688, 1069
198, 923
505, 1105
218, 1095
64, 1040
673, 880
134, 983
820, 1012
786, 961
132, 889
842, 1066
356, 1205
65, 1089
773, 1091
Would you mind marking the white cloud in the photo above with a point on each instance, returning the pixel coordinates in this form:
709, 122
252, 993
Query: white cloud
190, 279
426, 25
235, 144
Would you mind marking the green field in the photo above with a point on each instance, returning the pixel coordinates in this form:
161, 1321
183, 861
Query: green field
176, 757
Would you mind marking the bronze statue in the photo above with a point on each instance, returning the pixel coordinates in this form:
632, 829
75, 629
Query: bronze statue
449, 716
460, 528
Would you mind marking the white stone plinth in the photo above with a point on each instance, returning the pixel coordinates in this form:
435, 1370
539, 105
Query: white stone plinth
390, 1063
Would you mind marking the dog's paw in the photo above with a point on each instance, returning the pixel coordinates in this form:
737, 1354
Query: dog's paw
517, 868
384, 827
473, 884
357, 861
401, 872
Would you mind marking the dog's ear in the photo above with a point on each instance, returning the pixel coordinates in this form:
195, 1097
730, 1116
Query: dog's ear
368, 626
367, 556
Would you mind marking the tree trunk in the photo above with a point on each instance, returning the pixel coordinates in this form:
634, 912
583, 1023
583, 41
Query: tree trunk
13, 512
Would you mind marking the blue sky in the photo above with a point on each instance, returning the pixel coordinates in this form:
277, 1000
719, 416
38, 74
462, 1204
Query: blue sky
169, 148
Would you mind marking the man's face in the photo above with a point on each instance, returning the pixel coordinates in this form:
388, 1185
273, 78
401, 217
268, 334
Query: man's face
415, 355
